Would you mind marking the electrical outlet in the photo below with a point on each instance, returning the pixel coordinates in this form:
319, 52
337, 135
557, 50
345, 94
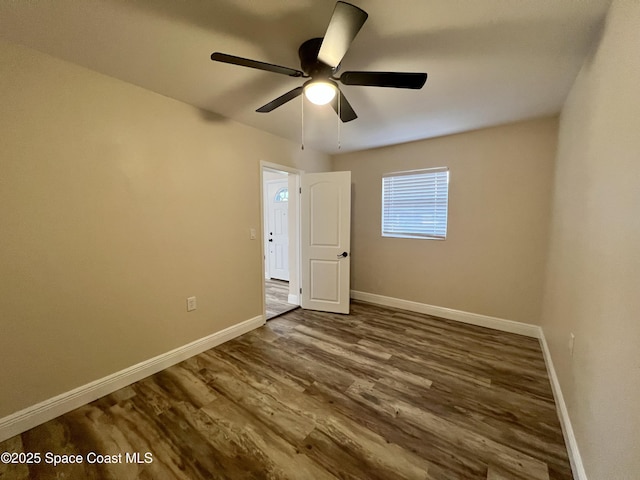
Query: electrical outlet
572, 341
191, 304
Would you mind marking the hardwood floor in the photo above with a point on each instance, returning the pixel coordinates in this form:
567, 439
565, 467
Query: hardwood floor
276, 297
378, 394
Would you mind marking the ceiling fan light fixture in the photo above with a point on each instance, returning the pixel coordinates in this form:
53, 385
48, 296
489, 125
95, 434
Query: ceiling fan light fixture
320, 92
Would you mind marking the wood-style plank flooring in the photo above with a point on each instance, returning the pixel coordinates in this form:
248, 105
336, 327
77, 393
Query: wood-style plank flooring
276, 298
378, 394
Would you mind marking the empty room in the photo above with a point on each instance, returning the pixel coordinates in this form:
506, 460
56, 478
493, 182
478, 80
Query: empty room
320, 240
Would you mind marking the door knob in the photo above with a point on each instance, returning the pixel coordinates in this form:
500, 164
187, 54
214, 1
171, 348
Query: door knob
343, 255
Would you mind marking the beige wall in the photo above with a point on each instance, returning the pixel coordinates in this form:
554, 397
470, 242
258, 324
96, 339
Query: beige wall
593, 280
493, 258
115, 205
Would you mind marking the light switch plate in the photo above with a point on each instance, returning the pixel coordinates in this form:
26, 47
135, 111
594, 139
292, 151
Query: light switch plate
191, 304
572, 341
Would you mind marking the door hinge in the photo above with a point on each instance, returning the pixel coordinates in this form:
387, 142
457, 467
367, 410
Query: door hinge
300, 189
300, 290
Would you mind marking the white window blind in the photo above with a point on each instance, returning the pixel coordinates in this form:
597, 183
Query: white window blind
414, 203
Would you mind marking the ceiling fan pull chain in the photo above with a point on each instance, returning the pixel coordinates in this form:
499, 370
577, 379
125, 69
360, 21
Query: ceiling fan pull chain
302, 124
339, 118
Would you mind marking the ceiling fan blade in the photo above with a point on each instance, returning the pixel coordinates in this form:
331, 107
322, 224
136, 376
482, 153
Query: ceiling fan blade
345, 109
385, 79
245, 62
281, 100
345, 23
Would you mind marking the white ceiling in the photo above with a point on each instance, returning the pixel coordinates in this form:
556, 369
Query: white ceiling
489, 61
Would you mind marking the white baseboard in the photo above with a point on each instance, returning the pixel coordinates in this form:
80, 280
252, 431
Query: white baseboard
293, 299
42, 412
577, 466
451, 314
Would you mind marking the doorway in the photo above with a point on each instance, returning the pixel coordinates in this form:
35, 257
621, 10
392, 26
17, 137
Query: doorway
318, 228
280, 226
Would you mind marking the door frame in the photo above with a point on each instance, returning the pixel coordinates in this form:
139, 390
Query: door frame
295, 271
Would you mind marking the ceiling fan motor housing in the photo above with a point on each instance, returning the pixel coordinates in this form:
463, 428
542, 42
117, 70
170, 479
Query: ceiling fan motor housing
308, 53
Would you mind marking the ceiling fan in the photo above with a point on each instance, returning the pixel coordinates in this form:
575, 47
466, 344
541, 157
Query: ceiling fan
320, 59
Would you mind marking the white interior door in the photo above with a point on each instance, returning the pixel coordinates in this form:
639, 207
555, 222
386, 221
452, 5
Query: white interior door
326, 240
278, 229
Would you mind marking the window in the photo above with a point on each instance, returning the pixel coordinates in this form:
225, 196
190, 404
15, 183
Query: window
414, 203
282, 195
